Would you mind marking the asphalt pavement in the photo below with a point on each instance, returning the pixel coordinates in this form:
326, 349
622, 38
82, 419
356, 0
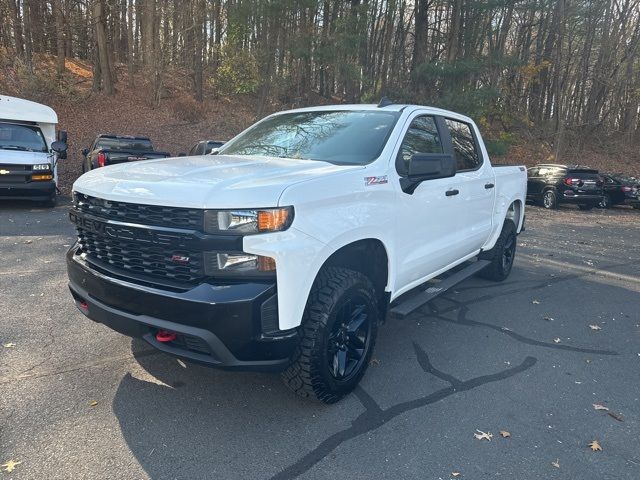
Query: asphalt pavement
529, 356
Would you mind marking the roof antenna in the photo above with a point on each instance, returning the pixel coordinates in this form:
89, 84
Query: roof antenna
384, 102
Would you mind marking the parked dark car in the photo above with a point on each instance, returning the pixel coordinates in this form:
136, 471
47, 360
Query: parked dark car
551, 185
620, 190
113, 149
204, 147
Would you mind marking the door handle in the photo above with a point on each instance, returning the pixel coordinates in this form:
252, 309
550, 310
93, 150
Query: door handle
450, 193
489, 185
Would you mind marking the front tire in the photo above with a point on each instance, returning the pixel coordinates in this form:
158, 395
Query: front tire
51, 201
549, 200
501, 255
337, 336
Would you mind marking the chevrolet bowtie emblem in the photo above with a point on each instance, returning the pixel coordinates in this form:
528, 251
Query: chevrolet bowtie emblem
4, 172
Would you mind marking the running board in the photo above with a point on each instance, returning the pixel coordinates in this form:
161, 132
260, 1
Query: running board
410, 305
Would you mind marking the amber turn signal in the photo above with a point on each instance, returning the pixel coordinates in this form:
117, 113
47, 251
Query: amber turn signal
41, 177
266, 264
273, 220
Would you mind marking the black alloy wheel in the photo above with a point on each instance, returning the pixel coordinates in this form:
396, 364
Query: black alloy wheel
349, 338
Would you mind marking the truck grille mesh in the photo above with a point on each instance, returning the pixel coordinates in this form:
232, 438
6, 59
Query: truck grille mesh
173, 217
153, 262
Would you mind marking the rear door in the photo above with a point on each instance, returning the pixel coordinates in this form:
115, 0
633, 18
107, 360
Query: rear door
475, 181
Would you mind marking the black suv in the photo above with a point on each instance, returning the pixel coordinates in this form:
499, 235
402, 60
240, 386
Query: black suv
550, 185
620, 189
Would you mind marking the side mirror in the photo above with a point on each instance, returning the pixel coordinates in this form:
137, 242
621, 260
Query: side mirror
62, 136
85, 152
59, 147
427, 166
214, 151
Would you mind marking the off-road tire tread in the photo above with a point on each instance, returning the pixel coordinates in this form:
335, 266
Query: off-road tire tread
493, 271
302, 375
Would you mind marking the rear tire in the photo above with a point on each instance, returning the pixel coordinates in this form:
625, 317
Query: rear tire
588, 206
337, 336
549, 200
501, 255
605, 202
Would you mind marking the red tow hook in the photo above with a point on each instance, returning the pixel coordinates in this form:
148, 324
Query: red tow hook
83, 306
166, 336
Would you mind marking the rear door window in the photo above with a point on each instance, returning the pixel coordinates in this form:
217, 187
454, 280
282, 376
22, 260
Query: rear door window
421, 137
464, 145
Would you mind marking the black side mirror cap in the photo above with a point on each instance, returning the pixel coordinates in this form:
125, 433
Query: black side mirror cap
59, 147
427, 166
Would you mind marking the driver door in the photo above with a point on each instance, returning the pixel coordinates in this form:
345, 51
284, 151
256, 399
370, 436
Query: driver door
431, 218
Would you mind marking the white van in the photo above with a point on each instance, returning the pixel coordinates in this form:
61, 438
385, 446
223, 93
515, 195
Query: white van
29, 150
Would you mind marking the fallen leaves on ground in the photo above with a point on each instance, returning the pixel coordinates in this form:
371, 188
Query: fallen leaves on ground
10, 466
536, 302
556, 463
595, 446
599, 406
595, 327
374, 362
617, 416
9, 345
93, 403
548, 319
455, 474
483, 435
556, 340
504, 434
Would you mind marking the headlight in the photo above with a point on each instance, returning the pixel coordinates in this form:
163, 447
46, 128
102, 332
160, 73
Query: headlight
41, 166
247, 222
228, 264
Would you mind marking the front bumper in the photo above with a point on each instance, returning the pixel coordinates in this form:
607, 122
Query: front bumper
27, 191
227, 326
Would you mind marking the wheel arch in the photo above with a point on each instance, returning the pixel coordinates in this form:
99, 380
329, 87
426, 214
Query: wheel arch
368, 256
514, 212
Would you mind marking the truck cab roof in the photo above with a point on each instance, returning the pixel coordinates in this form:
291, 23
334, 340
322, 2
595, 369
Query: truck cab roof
21, 110
394, 107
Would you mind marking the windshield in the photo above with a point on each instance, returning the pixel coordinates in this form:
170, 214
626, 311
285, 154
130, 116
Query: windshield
125, 144
339, 137
21, 137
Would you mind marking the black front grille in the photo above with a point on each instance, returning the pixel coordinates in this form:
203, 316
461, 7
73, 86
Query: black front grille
15, 173
153, 215
163, 263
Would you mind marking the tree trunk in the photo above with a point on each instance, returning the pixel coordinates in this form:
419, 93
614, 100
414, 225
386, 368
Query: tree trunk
103, 53
58, 13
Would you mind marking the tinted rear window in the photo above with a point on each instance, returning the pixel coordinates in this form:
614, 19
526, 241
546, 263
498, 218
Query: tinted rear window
583, 173
126, 144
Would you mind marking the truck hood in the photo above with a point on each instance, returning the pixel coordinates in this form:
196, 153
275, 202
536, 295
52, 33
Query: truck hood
17, 157
207, 181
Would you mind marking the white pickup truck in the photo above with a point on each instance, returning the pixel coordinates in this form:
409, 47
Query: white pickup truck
29, 151
285, 249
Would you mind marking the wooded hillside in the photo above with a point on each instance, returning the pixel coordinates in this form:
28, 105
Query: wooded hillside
569, 69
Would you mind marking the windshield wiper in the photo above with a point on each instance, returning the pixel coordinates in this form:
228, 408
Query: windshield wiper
16, 147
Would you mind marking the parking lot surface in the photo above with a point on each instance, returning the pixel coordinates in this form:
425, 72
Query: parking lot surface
530, 356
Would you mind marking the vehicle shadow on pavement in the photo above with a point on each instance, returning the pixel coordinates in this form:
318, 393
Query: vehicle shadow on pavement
182, 420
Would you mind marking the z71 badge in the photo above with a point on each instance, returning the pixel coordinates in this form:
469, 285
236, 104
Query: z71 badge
368, 181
